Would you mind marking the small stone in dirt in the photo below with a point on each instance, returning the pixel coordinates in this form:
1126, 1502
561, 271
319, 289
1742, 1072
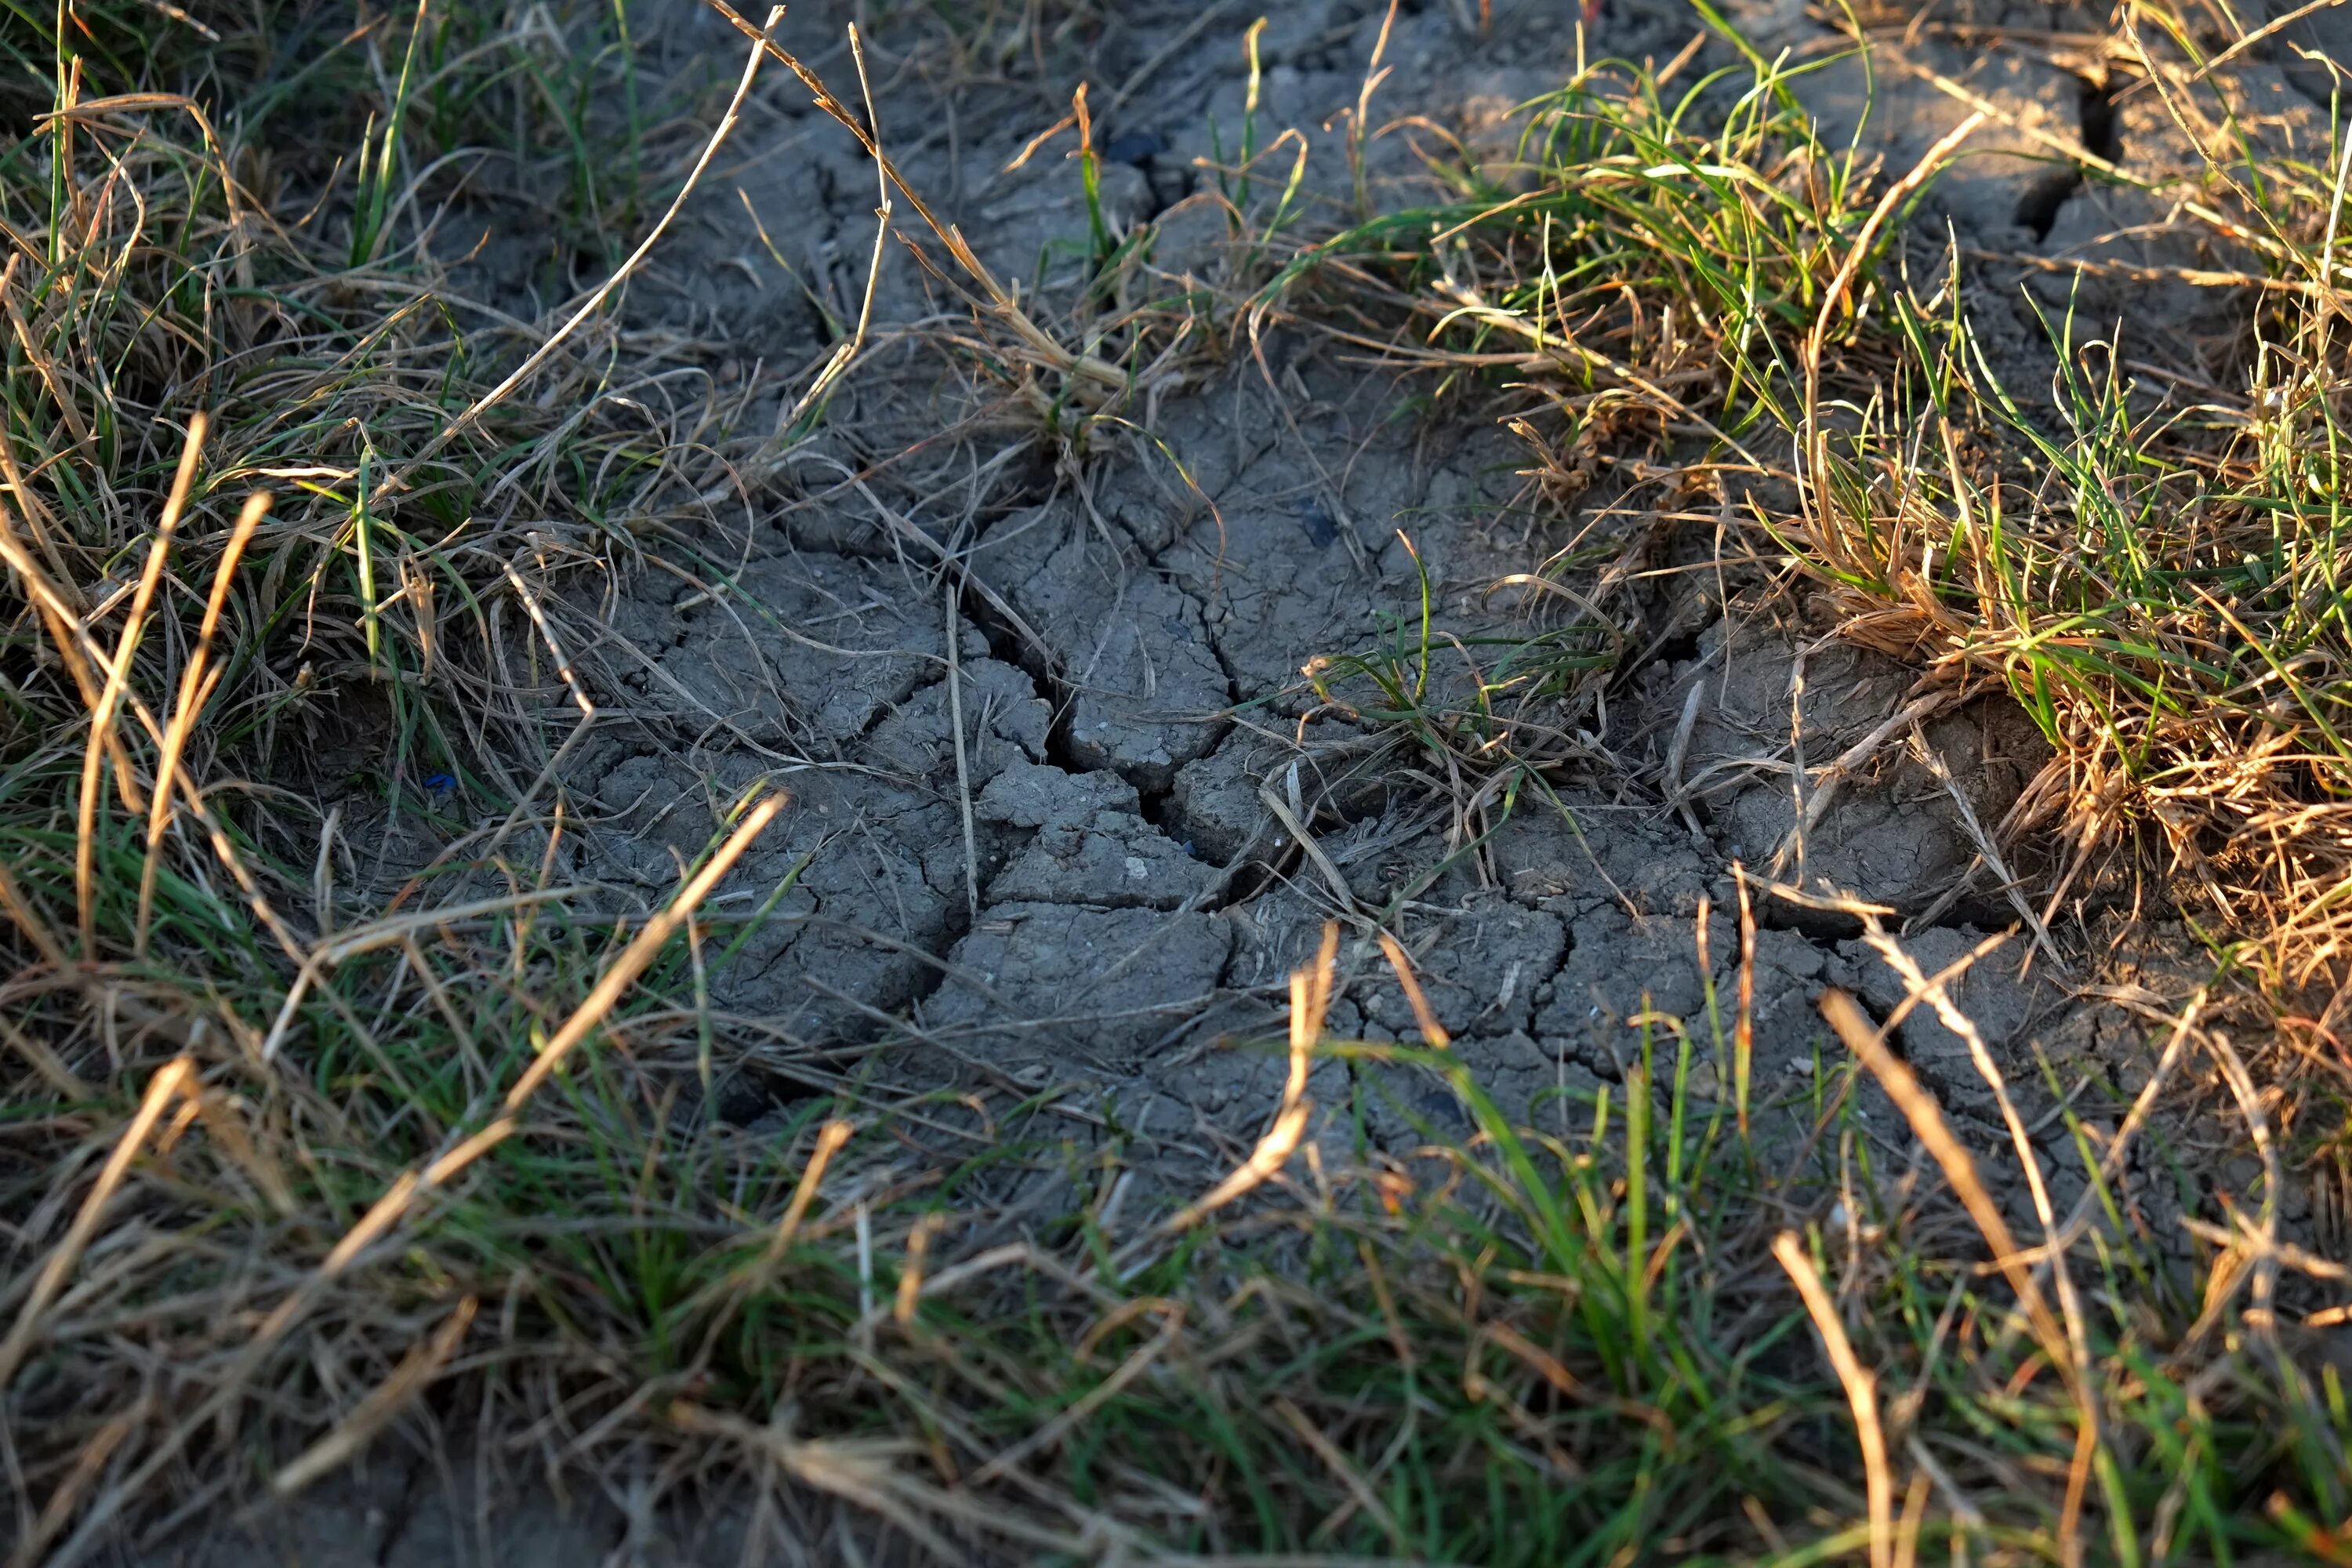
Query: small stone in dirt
1321, 531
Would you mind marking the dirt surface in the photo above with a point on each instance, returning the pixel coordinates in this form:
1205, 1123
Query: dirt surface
1095, 890
1041, 715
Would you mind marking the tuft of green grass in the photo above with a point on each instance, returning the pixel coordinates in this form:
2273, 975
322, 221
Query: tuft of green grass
1628, 291
1662, 289
2153, 566
257, 576
1647, 253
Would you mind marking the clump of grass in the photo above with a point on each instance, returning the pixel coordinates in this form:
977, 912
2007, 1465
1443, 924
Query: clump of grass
1629, 290
274, 570
2157, 584
547, 89
1657, 288
364, 117
1641, 260
2154, 569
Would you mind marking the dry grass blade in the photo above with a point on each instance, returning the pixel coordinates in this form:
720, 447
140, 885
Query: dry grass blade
391, 931
35, 929
2111, 1163
195, 690
1933, 760
950, 613
57, 604
1431, 1030
1861, 1386
1137, 1363
828, 1143
1918, 983
1311, 1001
2262, 1315
1822, 790
176, 1078
1273, 1152
864, 1474
2268, 30
623, 971
372, 1413
117, 681
845, 353
44, 1060
1304, 836
37, 521
867, 1474
1336, 1461
1868, 1044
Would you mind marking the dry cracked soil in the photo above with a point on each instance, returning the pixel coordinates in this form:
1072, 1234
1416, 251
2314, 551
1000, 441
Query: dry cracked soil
1063, 815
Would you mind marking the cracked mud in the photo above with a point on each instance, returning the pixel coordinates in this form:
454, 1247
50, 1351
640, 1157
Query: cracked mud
1064, 816
1099, 883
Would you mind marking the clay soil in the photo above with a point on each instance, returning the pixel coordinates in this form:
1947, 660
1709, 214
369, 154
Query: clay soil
1101, 886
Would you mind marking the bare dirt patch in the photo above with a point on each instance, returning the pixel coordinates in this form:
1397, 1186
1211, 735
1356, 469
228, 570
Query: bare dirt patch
1095, 884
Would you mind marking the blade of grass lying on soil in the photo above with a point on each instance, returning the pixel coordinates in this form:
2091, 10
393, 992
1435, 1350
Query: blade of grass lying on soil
1861, 1392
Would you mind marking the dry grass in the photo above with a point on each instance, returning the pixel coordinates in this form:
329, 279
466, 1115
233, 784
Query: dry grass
2153, 575
298, 1154
1662, 293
